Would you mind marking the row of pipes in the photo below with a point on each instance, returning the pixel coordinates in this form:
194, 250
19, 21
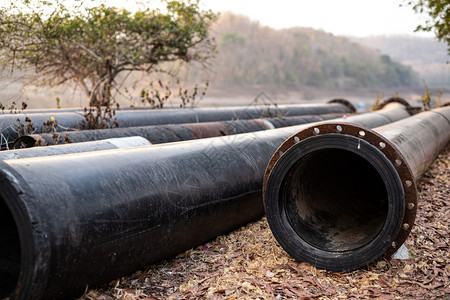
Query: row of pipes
14, 125
338, 193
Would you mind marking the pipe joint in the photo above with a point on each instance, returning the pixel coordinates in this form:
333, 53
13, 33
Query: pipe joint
337, 195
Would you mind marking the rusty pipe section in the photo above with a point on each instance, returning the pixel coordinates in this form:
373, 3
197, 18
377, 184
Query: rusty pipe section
340, 196
15, 125
168, 133
107, 144
67, 221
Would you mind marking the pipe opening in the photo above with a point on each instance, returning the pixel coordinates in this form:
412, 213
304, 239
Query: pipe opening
340, 209
10, 252
24, 141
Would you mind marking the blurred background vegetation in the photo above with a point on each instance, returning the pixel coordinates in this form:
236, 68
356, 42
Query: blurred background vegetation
250, 54
296, 64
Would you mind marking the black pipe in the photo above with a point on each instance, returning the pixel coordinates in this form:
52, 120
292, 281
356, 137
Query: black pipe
107, 144
350, 107
14, 125
340, 196
196, 115
9, 124
73, 220
76, 109
168, 133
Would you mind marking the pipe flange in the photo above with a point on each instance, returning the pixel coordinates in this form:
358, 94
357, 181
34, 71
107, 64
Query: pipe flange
382, 147
412, 110
344, 102
393, 100
445, 103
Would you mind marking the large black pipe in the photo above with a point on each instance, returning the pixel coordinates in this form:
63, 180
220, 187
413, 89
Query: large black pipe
196, 115
9, 124
168, 133
78, 219
106, 144
340, 196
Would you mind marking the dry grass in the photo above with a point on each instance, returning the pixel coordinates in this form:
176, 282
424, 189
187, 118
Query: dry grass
249, 264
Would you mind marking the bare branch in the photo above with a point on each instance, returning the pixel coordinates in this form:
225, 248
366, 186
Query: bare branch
84, 48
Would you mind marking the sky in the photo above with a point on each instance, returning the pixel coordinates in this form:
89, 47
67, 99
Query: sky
340, 17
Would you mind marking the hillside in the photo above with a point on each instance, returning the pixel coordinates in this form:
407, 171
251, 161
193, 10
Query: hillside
408, 48
255, 55
426, 56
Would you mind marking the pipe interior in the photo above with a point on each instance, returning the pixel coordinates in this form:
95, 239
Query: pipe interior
335, 200
10, 252
24, 142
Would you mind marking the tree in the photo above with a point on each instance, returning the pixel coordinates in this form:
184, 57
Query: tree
439, 22
91, 46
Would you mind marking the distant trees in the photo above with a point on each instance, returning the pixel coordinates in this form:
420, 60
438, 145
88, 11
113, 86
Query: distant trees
439, 22
255, 55
91, 46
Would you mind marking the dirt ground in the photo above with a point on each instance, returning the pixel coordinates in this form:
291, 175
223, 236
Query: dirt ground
249, 264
